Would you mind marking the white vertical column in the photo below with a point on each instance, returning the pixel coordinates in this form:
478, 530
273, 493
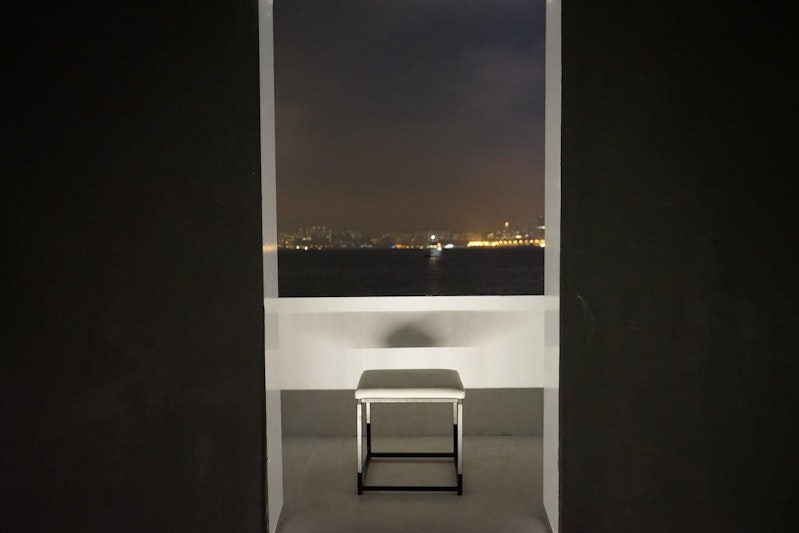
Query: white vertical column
552, 263
274, 444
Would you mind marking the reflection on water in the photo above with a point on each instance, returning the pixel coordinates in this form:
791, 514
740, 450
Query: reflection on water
379, 272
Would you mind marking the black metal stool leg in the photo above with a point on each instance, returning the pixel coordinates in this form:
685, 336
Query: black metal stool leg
364, 459
455, 442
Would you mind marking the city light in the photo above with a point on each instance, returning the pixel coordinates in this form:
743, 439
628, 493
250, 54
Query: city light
323, 238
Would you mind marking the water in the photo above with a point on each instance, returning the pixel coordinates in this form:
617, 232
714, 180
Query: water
383, 272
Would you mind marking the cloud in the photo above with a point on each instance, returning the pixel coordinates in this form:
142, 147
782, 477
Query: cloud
383, 106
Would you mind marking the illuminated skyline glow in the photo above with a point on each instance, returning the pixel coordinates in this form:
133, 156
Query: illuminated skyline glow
409, 115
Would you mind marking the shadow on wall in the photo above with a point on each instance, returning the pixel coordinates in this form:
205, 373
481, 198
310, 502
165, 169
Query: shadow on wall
410, 336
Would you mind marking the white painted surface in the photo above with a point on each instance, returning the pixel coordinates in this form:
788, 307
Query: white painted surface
552, 265
492, 341
325, 343
274, 442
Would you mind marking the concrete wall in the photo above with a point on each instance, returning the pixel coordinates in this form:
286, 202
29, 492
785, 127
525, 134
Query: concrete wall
274, 432
132, 375
552, 267
678, 294
486, 412
493, 341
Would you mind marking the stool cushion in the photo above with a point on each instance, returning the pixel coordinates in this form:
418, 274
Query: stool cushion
432, 383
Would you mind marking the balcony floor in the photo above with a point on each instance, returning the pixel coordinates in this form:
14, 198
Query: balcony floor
502, 487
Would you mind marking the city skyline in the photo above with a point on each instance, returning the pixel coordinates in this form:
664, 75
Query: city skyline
322, 237
409, 114
498, 225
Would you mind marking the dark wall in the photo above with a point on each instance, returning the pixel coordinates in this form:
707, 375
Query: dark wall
679, 316
132, 383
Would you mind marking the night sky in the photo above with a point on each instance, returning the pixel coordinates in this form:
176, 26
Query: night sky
409, 114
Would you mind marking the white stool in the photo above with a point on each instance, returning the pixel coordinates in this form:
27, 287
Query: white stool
409, 386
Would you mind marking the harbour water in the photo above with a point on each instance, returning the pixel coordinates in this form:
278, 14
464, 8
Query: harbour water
387, 272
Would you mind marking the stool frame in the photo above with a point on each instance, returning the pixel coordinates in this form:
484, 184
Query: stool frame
364, 404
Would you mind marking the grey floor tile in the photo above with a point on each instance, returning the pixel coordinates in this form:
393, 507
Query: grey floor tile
502, 488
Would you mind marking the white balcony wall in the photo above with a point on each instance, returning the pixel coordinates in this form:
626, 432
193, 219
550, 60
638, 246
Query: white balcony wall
493, 341
552, 266
274, 442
